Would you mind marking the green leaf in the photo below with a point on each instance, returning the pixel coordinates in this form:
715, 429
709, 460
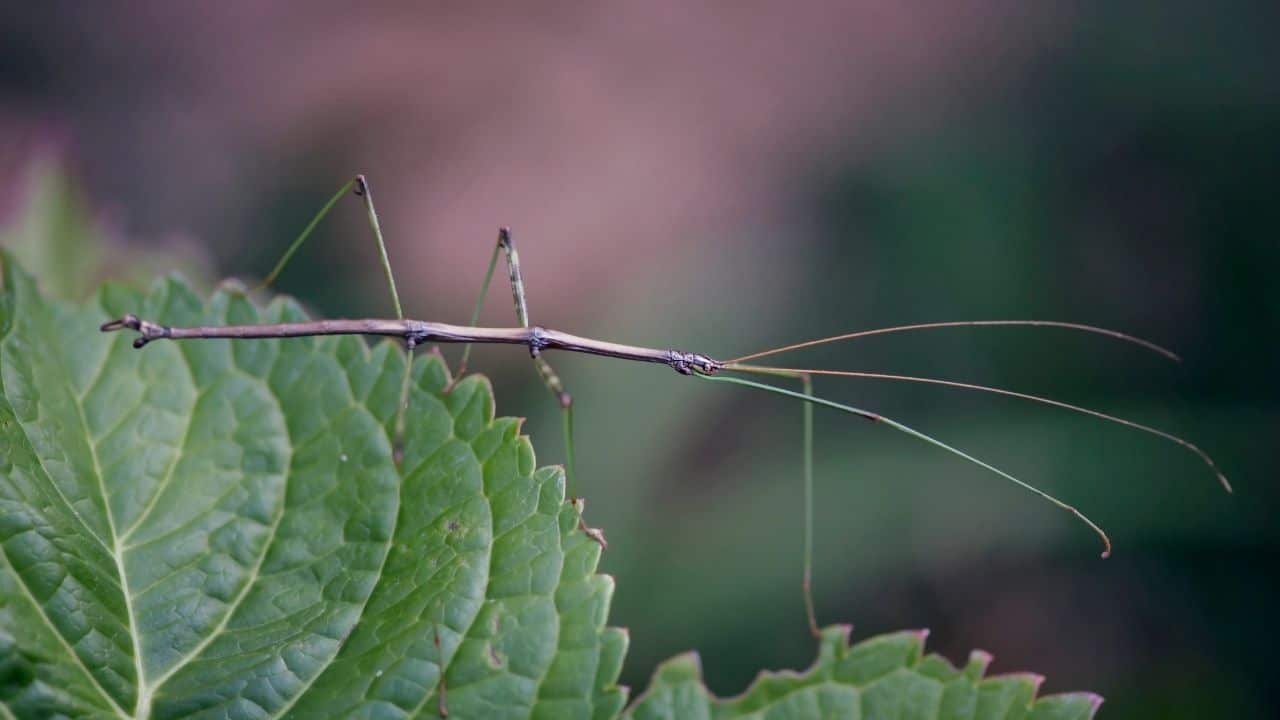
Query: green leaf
886, 677
53, 232
219, 529
57, 235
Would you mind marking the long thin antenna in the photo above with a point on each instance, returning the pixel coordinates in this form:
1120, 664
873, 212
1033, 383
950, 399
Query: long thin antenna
1010, 393
875, 417
966, 323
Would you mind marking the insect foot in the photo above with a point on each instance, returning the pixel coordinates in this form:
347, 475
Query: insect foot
595, 534
150, 331
537, 340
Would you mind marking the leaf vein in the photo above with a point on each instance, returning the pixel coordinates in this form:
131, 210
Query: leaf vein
56, 488
488, 569
61, 639
391, 538
115, 540
177, 456
257, 568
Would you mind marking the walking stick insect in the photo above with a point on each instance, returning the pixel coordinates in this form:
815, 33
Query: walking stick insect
697, 365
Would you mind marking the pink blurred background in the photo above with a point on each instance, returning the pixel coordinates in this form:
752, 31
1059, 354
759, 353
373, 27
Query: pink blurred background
613, 140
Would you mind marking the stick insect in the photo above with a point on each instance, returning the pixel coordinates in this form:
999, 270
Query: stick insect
737, 371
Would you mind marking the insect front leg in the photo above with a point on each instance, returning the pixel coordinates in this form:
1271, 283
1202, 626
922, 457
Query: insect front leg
806, 584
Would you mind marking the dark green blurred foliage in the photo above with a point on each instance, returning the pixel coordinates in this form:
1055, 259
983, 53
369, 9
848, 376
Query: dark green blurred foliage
1128, 178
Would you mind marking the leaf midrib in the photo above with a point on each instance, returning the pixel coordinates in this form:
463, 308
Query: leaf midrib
145, 691
253, 576
116, 555
61, 640
22, 583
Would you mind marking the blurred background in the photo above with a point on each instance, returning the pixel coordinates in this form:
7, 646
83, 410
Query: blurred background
732, 176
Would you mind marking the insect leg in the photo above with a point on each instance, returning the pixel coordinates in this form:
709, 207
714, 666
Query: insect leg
806, 393
306, 233
360, 186
406, 381
806, 382
506, 245
806, 389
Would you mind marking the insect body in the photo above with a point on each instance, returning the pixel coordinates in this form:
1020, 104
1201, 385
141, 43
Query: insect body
539, 339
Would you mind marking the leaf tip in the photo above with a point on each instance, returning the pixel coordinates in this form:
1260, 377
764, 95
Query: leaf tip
979, 661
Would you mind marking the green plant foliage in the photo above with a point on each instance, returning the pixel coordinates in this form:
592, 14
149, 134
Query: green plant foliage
53, 232
885, 677
220, 530
58, 237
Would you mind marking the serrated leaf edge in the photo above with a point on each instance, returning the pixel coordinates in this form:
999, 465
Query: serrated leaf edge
691, 662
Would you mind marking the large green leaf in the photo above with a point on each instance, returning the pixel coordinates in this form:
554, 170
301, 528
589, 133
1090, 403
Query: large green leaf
883, 678
220, 530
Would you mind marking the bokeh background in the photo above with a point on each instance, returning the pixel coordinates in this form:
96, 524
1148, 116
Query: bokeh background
736, 175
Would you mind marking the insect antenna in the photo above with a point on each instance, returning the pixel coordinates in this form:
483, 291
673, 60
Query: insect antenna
1116, 335
878, 418
1222, 478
